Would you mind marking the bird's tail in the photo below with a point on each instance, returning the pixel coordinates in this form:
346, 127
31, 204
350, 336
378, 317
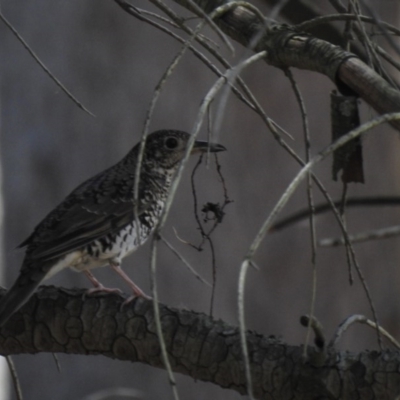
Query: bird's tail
30, 278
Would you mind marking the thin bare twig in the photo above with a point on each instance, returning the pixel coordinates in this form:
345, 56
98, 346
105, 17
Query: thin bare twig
157, 319
161, 222
349, 249
377, 234
198, 123
200, 12
383, 28
312, 23
218, 215
342, 328
285, 198
14, 377
185, 262
138, 13
313, 235
378, 201
151, 109
43, 66
252, 102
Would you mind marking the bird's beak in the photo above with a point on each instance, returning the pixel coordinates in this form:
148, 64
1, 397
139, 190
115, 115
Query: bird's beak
201, 146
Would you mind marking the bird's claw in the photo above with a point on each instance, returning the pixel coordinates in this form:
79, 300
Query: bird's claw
133, 297
102, 290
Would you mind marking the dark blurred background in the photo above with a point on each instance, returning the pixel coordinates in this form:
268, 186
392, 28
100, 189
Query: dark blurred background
112, 62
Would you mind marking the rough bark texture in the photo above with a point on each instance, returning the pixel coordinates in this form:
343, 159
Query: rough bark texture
287, 48
59, 320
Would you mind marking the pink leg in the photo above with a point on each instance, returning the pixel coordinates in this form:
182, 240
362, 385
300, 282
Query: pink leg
137, 292
98, 287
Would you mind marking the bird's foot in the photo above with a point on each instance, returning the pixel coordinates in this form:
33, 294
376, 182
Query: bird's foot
133, 297
137, 292
98, 287
102, 290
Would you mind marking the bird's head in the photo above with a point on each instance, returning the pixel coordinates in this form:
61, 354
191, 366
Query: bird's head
166, 148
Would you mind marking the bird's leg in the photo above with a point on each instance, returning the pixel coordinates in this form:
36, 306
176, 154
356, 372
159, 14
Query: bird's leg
137, 292
98, 287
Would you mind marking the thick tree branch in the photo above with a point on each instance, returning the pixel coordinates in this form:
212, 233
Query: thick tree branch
298, 11
287, 48
60, 320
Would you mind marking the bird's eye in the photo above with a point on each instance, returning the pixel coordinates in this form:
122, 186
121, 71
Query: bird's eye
171, 143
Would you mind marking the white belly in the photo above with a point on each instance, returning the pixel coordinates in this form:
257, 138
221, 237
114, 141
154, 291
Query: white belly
108, 250
102, 252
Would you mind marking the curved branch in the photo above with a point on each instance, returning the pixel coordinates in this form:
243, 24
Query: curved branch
378, 201
287, 47
60, 320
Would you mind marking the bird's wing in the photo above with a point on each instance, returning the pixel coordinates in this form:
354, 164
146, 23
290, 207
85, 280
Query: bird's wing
100, 206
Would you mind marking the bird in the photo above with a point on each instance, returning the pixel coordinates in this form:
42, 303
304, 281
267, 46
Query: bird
98, 224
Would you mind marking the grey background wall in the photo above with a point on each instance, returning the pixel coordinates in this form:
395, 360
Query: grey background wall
112, 63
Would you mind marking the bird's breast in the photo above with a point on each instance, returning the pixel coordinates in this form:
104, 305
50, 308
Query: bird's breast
121, 243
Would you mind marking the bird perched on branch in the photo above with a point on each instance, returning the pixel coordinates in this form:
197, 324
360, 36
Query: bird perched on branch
95, 225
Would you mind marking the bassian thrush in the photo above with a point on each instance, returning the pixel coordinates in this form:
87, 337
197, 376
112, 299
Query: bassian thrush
95, 225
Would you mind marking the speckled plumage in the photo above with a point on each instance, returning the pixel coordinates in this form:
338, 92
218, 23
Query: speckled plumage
95, 225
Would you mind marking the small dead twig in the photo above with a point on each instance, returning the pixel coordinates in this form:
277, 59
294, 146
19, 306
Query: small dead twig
218, 212
185, 262
377, 234
379, 201
342, 328
14, 377
42, 65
